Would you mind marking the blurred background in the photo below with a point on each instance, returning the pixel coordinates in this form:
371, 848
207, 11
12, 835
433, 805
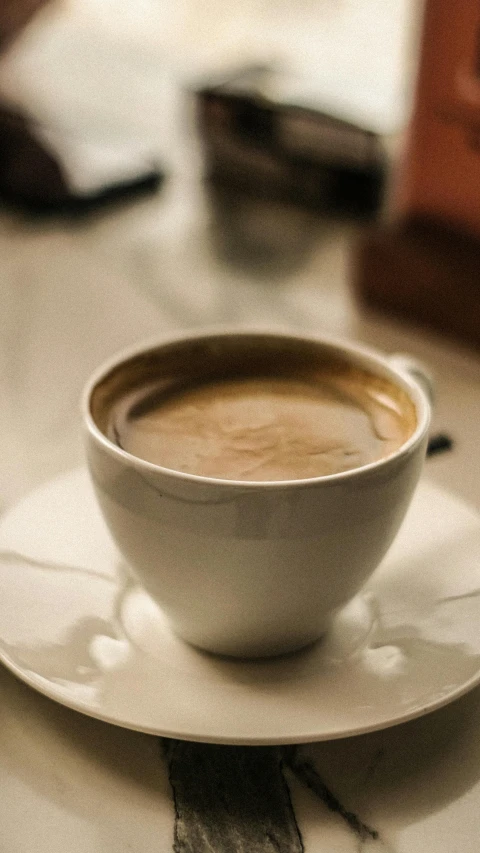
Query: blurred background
167, 165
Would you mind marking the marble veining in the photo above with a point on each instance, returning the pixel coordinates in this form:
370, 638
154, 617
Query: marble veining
237, 800
7, 556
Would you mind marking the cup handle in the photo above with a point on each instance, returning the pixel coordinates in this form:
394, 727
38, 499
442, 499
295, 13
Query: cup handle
415, 370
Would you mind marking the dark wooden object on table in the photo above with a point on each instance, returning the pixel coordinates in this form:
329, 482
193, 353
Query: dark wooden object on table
273, 149
424, 272
424, 266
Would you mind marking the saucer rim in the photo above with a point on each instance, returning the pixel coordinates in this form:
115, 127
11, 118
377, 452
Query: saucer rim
192, 732
35, 682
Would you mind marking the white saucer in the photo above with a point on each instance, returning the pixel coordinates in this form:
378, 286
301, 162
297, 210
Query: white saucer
75, 627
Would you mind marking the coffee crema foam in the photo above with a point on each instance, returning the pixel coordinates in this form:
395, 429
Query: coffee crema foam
265, 428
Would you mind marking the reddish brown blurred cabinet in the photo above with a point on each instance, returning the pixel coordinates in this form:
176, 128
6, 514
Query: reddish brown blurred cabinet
425, 264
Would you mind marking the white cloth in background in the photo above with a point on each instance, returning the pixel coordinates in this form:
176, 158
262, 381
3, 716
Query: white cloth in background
111, 63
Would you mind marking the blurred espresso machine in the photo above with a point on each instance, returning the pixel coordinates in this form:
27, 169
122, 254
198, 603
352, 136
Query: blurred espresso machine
423, 264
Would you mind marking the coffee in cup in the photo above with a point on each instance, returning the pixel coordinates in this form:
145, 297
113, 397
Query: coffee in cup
253, 480
299, 416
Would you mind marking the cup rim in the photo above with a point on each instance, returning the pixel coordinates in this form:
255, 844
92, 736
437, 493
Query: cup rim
363, 355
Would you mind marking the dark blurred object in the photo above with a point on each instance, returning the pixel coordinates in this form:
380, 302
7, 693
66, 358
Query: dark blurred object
27, 172
425, 265
439, 443
33, 180
424, 272
14, 16
279, 150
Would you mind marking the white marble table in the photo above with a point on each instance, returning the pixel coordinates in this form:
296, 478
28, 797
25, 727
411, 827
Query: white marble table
70, 295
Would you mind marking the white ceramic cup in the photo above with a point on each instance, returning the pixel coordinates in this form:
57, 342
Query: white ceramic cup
251, 569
